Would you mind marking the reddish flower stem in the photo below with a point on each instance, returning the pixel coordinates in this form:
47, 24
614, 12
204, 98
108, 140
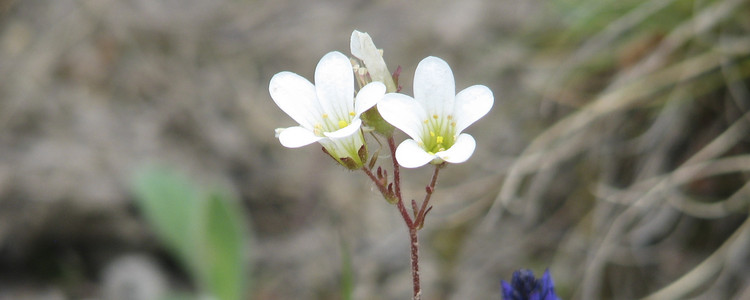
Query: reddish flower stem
396, 178
410, 224
419, 220
413, 225
378, 183
415, 262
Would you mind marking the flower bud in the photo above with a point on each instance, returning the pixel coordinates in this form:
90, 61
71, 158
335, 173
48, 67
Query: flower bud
363, 48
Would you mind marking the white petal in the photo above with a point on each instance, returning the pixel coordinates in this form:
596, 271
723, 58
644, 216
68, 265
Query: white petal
410, 155
363, 48
296, 96
434, 86
295, 137
472, 104
346, 131
460, 151
368, 96
404, 113
360, 43
334, 82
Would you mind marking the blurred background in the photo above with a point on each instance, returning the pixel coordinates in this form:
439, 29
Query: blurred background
616, 154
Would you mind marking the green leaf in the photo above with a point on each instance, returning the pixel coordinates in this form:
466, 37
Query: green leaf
347, 273
170, 203
224, 247
206, 231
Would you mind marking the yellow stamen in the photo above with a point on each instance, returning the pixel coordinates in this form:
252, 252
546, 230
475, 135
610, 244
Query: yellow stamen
449, 117
435, 117
432, 134
426, 121
439, 139
317, 129
343, 124
351, 113
453, 124
325, 116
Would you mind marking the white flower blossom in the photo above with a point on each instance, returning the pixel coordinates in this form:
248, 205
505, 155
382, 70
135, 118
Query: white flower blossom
327, 112
436, 117
362, 47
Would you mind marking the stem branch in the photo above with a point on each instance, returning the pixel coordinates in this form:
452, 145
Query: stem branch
419, 220
377, 182
413, 228
413, 225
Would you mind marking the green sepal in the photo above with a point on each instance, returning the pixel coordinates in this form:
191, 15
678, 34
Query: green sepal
371, 118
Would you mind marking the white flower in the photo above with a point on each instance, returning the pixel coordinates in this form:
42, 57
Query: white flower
327, 112
436, 116
362, 47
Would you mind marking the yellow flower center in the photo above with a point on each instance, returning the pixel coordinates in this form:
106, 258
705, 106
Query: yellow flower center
440, 134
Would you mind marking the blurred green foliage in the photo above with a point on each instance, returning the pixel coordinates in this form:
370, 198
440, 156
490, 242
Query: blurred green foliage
204, 229
603, 41
585, 18
347, 273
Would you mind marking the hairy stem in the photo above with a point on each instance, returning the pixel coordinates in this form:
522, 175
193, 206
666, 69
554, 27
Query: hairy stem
415, 262
412, 226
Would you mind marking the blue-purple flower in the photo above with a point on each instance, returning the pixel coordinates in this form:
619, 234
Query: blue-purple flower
524, 286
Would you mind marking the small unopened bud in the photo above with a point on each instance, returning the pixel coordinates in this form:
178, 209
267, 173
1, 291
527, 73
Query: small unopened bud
391, 196
362, 47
